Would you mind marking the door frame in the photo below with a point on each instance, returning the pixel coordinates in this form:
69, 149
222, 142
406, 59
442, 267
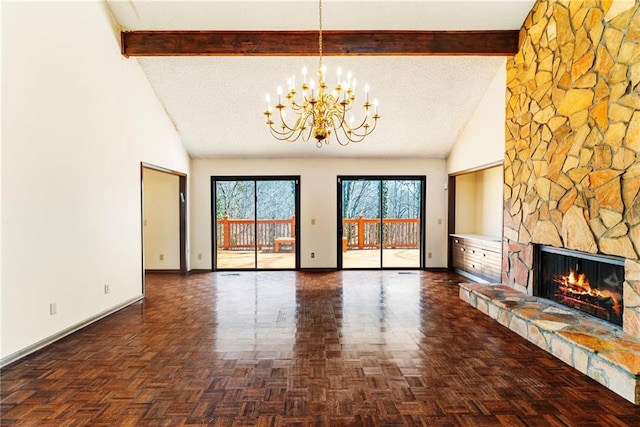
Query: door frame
423, 196
182, 216
255, 179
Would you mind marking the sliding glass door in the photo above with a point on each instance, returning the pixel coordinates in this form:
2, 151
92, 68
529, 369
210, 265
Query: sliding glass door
361, 223
254, 222
401, 227
380, 222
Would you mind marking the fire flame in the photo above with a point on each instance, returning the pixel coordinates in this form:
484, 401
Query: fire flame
578, 284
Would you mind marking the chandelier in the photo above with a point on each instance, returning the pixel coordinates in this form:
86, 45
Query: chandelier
320, 112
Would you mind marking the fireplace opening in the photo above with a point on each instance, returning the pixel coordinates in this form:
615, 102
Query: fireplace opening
586, 282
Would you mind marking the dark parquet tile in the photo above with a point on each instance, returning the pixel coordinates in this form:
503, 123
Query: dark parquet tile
355, 348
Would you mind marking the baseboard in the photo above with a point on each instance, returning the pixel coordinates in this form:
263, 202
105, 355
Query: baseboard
470, 276
200, 271
437, 269
158, 271
318, 270
68, 331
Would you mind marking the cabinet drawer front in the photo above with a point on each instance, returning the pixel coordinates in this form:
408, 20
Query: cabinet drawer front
455, 240
473, 267
491, 272
458, 260
491, 258
458, 250
474, 257
492, 246
473, 245
458, 247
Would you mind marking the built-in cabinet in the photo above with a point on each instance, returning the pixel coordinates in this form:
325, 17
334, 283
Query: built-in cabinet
475, 223
476, 257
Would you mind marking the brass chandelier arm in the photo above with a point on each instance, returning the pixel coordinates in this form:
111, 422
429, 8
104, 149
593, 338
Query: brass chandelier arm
290, 135
357, 135
344, 134
362, 125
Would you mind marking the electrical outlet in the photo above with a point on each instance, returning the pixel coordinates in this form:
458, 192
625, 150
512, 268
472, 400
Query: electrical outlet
313, 221
53, 309
313, 254
161, 257
199, 256
429, 255
106, 289
439, 221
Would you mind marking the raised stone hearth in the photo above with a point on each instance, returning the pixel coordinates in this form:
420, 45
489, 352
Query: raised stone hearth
595, 348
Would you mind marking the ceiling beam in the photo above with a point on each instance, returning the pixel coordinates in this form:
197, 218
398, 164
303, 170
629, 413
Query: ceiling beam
305, 43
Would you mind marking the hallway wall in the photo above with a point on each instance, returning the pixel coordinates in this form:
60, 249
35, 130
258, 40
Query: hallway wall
77, 120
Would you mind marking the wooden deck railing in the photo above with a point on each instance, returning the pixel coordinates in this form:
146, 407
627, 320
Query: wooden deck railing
360, 233
364, 233
241, 233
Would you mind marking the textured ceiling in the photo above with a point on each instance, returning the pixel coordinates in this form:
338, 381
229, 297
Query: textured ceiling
216, 103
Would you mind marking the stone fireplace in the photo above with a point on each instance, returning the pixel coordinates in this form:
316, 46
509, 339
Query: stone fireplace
572, 152
589, 283
572, 179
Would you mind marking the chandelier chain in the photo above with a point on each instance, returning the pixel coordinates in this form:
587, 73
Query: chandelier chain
320, 32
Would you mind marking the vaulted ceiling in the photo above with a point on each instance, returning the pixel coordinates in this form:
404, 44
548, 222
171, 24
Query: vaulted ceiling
216, 102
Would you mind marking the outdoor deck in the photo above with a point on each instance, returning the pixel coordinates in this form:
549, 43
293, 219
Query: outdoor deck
275, 242
400, 258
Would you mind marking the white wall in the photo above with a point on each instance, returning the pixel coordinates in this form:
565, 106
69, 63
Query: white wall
318, 190
161, 220
1, 174
482, 140
466, 209
77, 120
489, 201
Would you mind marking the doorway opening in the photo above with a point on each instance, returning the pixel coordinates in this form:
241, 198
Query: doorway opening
164, 220
380, 222
254, 223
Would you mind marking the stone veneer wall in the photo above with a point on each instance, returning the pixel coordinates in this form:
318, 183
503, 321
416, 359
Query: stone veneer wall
572, 155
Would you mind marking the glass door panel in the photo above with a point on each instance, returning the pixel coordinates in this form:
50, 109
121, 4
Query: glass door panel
361, 223
381, 223
401, 223
275, 224
235, 224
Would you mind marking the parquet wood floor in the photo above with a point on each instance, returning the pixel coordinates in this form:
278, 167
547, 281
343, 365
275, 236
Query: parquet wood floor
353, 348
